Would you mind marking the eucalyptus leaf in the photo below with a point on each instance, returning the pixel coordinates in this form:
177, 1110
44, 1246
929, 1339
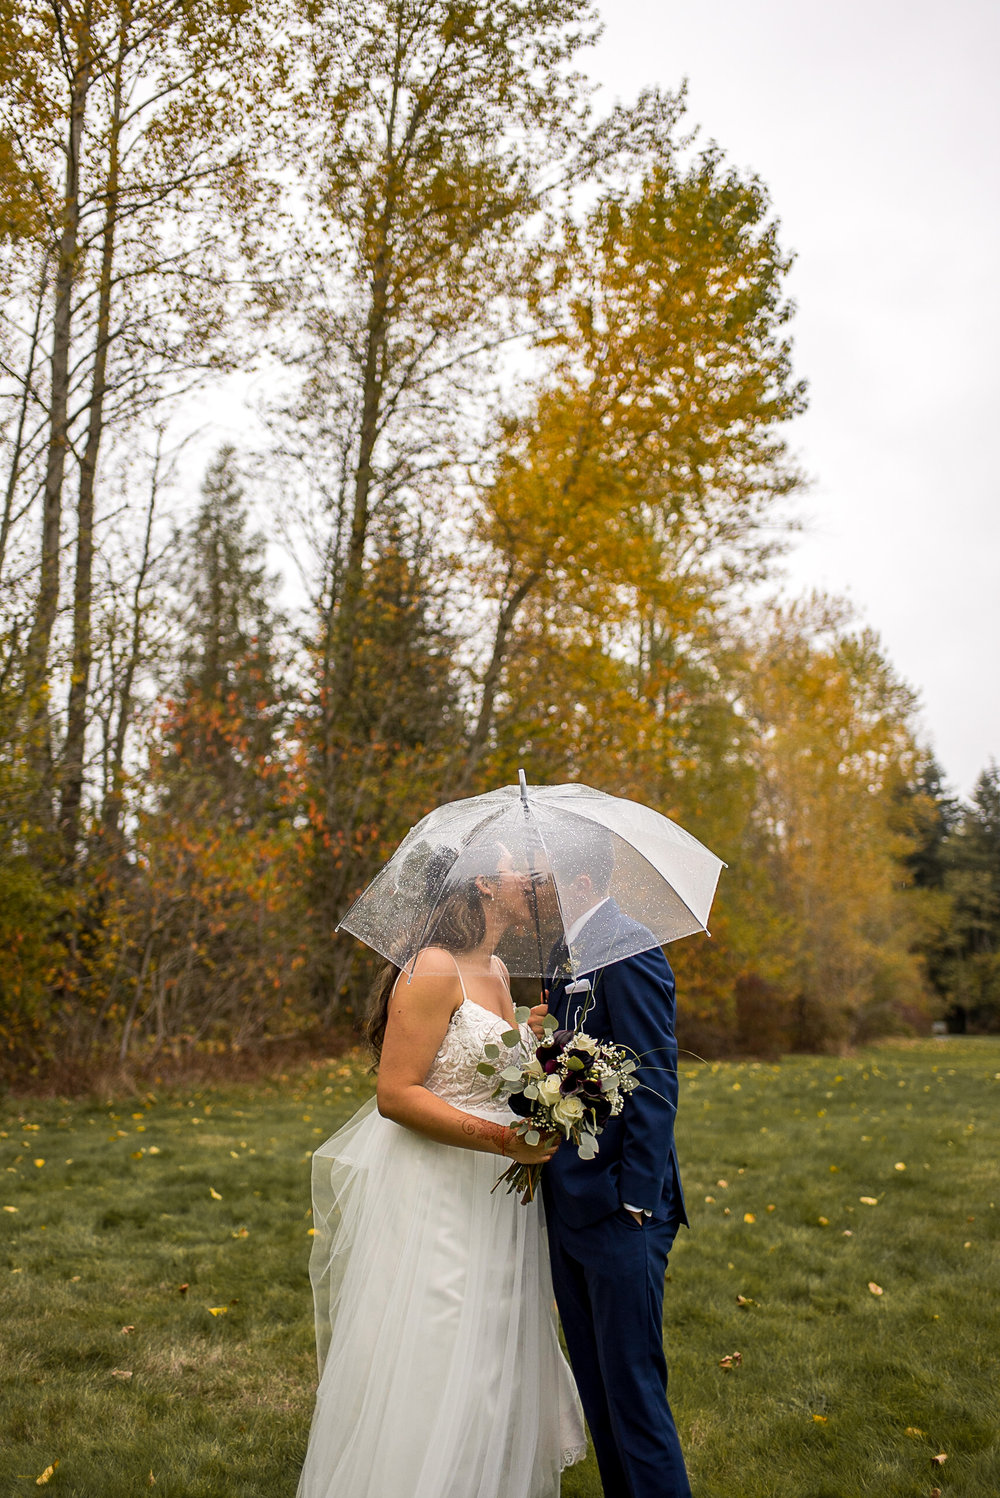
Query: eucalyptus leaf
521, 1014
532, 1137
511, 1037
491, 1050
628, 1066
531, 1091
550, 1023
511, 1074
486, 1070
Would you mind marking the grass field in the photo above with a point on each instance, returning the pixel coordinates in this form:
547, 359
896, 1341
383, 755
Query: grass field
156, 1324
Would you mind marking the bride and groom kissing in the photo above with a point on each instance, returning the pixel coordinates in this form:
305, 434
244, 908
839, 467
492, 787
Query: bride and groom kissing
441, 1374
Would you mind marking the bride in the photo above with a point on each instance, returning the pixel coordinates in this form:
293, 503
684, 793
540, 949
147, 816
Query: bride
440, 1369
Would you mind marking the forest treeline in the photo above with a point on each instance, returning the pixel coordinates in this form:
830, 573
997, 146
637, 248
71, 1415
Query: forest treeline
522, 371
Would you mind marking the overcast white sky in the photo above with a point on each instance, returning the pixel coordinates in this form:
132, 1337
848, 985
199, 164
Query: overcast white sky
876, 127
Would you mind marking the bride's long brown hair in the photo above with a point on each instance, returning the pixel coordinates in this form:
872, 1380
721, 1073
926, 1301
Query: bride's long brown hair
460, 926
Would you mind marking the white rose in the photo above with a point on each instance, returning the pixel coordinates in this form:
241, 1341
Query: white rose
585, 1043
548, 1090
568, 1111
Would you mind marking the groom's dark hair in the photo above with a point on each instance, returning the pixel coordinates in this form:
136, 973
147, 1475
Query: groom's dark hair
584, 848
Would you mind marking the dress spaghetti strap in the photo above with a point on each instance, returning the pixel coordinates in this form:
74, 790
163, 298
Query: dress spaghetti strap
503, 971
465, 996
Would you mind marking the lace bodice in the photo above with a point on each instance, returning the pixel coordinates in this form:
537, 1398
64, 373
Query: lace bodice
453, 1075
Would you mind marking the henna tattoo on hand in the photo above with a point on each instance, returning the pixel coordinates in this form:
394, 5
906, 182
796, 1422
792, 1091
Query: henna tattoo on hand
481, 1128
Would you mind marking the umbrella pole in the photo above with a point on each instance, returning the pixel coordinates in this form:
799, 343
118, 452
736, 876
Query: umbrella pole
534, 888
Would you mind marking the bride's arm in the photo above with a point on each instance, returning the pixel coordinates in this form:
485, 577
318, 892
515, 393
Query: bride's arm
419, 1014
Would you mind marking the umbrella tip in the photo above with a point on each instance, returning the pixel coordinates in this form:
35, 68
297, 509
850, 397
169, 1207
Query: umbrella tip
522, 782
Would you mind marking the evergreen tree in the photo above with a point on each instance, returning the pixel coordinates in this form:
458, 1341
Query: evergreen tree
224, 721
971, 961
930, 815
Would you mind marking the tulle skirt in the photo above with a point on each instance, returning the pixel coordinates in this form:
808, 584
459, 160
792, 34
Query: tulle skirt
441, 1374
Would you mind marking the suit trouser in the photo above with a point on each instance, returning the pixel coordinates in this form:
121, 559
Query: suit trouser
608, 1281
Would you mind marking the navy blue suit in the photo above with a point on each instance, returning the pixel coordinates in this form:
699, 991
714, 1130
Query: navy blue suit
607, 1269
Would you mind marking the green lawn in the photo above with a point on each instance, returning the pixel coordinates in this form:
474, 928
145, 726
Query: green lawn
156, 1313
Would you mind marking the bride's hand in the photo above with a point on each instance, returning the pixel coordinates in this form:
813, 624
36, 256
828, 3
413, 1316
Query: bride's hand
531, 1154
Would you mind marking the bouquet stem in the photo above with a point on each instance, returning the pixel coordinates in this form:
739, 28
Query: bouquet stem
523, 1178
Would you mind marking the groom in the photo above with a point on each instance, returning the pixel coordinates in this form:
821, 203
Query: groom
612, 1220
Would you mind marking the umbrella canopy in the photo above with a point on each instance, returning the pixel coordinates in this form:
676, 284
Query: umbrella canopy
601, 879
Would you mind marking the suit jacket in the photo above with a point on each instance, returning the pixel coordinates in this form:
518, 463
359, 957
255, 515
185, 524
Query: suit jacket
632, 1005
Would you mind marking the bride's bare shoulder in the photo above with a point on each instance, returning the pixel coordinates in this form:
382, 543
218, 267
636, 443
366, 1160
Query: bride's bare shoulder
433, 962
429, 984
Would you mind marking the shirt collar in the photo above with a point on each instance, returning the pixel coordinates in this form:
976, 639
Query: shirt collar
581, 921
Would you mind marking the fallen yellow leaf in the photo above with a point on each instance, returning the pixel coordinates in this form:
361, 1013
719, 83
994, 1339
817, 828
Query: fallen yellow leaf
749, 1217
899, 1165
875, 1289
10, 1209
940, 1459
868, 1201
216, 1197
824, 1222
217, 1310
914, 1430
125, 1373
47, 1475
39, 1163
820, 1419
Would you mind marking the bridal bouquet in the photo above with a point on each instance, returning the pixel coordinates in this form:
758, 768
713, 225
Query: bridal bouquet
570, 1084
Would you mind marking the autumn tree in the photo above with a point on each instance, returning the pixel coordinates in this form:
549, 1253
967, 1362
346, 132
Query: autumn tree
214, 947
642, 480
834, 738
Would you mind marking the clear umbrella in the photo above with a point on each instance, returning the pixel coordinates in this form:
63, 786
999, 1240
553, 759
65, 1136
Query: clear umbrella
600, 879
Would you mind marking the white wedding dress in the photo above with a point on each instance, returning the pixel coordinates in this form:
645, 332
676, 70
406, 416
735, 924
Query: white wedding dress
441, 1374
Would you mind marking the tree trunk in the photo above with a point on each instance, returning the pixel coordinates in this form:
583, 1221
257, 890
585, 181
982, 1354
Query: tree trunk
505, 622
112, 810
15, 462
76, 719
352, 582
47, 603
